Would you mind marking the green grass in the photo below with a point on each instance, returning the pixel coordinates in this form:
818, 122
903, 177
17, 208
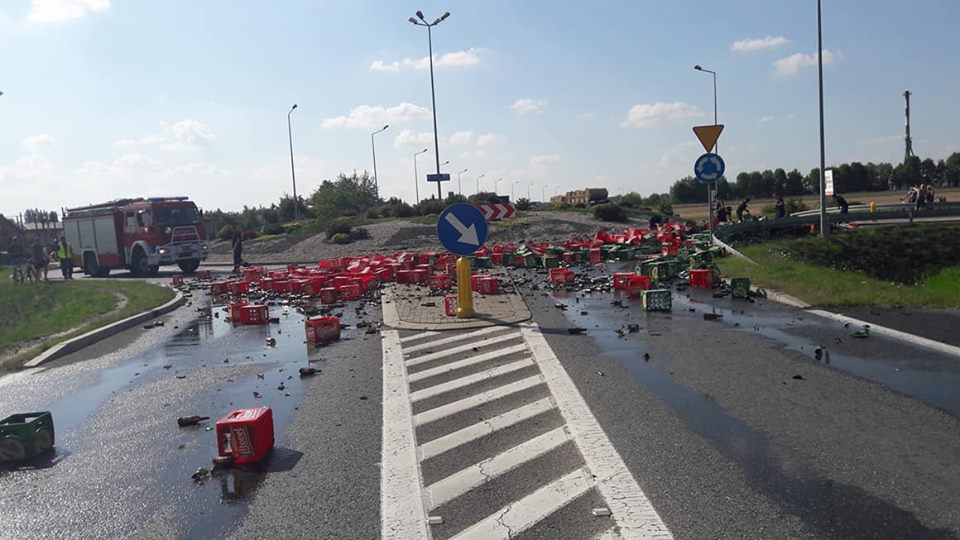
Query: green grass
822, 286
33, 313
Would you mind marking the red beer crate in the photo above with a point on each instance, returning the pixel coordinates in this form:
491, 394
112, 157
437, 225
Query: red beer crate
266, 284
246, 435
384, 274
254, 314
427, 257
701, 278
281, 285
475, 282
251, 274
569, 257
220, 287
295, 285
621, 280
350, 292
440, 282
637, 285
420, 275
278, 275
339, 281
497, 258
235, 310
559, 276
407, 265
177, 279
596, 256
369, 282
317, 283
328, 295
203, 274
424, 267
406, 276
322, 329
239, 287
489, 285
450, 305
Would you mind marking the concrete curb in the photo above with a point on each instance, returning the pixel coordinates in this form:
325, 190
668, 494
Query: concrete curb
75, 344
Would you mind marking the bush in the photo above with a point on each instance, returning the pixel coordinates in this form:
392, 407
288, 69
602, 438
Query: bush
359, 233
273, 228
225, 232
610, 212
631, 200
523, 204
430, 206
373, 213
340, 238
338, 226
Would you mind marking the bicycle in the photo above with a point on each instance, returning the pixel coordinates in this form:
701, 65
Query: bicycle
18, 275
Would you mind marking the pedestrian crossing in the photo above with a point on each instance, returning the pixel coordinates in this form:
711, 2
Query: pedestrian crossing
485, 436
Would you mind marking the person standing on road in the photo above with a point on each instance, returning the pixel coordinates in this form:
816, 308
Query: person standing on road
237, 250
841, 203
779, 208
65, 255
655, 221
742, 208
15, 253
40, 260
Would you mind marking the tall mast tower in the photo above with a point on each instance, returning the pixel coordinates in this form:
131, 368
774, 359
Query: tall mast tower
908, 150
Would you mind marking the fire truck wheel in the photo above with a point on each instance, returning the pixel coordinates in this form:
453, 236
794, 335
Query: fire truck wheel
91, 267
153, 271
141, 267
189, 266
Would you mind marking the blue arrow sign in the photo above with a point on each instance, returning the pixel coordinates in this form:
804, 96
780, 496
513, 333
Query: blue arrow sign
462, 228
709, 168
442, 177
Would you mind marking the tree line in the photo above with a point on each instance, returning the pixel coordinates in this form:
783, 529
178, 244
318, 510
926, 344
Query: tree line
847, 178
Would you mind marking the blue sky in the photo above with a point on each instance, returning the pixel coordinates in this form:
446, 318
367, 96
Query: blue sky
106, 99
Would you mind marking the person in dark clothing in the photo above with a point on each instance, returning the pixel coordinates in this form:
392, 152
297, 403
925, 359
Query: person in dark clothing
655, 221
841, 202
237, 250
722, 214
779, 208
39, 260
742, 208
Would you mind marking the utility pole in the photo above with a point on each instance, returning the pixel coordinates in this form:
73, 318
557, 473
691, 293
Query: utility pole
824, 225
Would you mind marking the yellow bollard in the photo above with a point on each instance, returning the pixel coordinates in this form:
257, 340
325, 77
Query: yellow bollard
464, 289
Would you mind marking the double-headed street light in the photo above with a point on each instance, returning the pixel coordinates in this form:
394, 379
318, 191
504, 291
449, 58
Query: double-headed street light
716, 147
293, 174
459, 186
496, 184
433, 95
478, 182
528, 190
373, 146
416, 175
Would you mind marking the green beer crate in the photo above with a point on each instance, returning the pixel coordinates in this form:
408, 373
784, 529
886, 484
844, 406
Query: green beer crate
656, 300
740, 287
551, 261
482, 262
25, 436
660, 271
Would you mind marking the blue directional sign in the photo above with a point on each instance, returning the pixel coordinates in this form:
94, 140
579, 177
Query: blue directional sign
709, 168
442, 177
462, 228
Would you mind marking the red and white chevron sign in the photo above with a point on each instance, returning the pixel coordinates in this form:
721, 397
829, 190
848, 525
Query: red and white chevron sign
493, 212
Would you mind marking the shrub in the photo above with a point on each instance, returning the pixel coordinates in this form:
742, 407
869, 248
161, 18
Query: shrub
430, 206
338, 226
610, 212
340, 238
272, 228
631, 200
373, 213
359, 233
225, 232
523, 204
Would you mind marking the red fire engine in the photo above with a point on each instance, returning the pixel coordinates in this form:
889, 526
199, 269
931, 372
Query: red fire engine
139, 234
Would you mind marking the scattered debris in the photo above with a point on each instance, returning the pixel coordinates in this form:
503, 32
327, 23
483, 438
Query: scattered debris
633, 328
799, 377
185, 421
600, 512
307, 371
271, 342
576, 331
201, 474
435, 520
712, 316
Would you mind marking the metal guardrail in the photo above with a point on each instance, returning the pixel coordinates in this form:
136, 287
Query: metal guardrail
858, 213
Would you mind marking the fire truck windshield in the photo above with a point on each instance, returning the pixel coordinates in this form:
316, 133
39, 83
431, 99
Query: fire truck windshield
173, 216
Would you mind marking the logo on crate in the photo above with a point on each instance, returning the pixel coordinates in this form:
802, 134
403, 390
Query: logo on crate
242, 438
494, 212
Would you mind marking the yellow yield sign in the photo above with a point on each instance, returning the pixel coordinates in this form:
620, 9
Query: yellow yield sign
708, 135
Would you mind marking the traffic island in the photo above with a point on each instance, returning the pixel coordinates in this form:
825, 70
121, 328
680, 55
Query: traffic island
415, 307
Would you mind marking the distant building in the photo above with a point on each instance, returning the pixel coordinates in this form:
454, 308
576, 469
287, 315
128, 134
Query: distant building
45, 233
585, 197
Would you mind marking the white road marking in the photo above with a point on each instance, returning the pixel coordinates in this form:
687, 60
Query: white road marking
446, 368
890, 332
401, 500
419, 336
520, 515
463, 348
438, 389
631, 509
480, 429
609, 534
452, 339
462, 481
476, 400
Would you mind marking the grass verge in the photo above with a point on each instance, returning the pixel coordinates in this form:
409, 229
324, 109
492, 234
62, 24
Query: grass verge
48, 313
822, 286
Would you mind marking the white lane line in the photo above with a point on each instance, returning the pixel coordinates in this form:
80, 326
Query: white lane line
463, 348
452, 339
890, 332
438, 389
401, 498
609, 534
631, 509
474, 476
475, 400
416, 337
480, 429
520, 515
447, 368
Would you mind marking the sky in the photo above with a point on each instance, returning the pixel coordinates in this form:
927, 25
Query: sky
105, 99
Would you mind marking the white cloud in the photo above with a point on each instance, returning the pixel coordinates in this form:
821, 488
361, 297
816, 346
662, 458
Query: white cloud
585, 116
476, 154
677, 160
652, 114
550, 159
197, 169
526, 105
488, 138
33, 167
36, 144
758, 44
460, 138
185, 134
766, 119
408, 138
64, 10
456, 59
792, 64
370, 116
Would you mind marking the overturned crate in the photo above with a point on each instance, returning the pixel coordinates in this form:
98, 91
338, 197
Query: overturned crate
656, 300
740, 287
26, 436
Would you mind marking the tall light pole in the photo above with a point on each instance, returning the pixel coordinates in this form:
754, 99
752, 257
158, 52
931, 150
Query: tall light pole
512, 186
459, 185
496, 185
416, 175
716, 146
824, 226
293, 174
373, 146
440, 194
543, 189
433, 94
528, 189
478, 182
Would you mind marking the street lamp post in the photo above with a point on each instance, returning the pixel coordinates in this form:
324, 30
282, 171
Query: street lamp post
496, 185
416, 175
439, 193
716, 146
459, 185
512, 186
373, 146
528, 190
824, 226
293, 174
478, 182
433, 94
543, 189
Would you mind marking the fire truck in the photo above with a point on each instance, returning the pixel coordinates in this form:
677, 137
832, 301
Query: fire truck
138, 234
